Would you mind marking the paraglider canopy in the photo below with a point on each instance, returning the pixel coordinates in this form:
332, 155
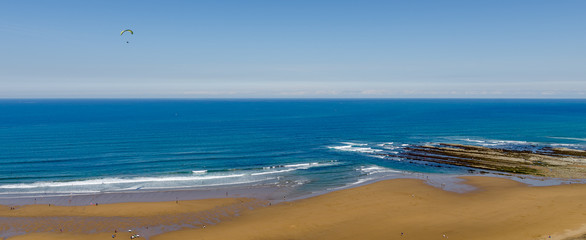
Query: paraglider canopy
127, 30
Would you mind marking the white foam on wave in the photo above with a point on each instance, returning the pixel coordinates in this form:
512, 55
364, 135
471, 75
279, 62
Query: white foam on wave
360, 181
377, 150
198, 178
357, 182
513, 143
472, 140
64, 193
350, 148
247, 181
293, 167
508, 142
495, 142
367, 170
273, 172
390, 146
569, 145
104, 181
355, 144
303, 165
569, 138
373, 169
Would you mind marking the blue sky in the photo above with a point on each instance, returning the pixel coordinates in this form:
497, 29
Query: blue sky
293, 49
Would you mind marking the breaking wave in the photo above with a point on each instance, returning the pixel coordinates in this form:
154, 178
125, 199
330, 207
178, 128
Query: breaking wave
197, 178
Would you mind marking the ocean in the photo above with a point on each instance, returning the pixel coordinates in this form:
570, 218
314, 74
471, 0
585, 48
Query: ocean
65, 147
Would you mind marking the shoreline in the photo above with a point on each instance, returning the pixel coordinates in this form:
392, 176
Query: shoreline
268, 192
264, 192
234, 212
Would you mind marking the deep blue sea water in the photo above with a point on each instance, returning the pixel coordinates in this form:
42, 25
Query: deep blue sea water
92, 146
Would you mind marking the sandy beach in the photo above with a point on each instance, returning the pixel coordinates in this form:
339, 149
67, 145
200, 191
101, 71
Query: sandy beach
392, 209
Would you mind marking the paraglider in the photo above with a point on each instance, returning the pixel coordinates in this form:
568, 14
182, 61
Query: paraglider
127, 30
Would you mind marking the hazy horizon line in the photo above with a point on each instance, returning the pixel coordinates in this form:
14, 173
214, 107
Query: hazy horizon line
284, 98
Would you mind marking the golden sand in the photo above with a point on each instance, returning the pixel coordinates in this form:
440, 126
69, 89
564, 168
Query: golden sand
499, 209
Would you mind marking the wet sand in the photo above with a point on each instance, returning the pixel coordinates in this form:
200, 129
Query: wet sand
392, 209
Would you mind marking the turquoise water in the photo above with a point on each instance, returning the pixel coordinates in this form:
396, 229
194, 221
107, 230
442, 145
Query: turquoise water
92, 146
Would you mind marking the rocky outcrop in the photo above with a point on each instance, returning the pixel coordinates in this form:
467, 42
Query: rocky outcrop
549, 162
